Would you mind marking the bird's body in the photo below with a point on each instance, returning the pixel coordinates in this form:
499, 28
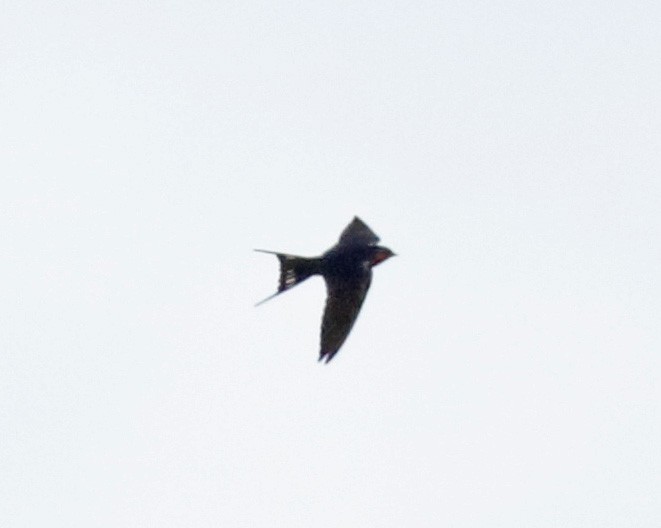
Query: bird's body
347, 270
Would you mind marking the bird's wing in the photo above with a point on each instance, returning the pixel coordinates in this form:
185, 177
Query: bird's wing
345, 297
357, 232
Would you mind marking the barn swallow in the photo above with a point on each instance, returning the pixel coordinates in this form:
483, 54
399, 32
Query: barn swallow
347, 270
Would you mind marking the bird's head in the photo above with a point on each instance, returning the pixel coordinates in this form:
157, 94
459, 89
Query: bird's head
380, 254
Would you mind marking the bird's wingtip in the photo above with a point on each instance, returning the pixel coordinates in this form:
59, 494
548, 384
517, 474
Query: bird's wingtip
325, 357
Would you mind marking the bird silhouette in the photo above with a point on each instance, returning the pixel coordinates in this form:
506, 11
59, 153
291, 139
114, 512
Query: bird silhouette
347, 270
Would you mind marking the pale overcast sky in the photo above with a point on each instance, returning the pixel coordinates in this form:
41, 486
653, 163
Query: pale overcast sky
504, 371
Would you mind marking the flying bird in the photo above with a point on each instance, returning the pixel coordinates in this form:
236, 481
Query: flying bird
347, 270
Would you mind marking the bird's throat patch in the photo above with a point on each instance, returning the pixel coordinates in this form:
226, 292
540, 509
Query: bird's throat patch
380, 257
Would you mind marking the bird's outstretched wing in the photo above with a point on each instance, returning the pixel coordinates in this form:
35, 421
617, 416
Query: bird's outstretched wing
345, 297
357, 232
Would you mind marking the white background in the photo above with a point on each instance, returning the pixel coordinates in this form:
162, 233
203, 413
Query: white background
504, 369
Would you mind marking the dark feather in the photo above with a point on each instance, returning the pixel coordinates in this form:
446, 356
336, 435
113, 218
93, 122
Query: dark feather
293, 271
343, 303
357, 233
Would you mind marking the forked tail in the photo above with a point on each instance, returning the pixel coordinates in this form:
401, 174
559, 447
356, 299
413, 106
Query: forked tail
293, 271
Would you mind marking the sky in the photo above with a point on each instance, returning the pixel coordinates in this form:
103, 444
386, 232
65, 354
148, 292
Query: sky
504, 369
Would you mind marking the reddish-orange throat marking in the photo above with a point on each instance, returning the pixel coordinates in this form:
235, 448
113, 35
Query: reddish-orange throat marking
380, 257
